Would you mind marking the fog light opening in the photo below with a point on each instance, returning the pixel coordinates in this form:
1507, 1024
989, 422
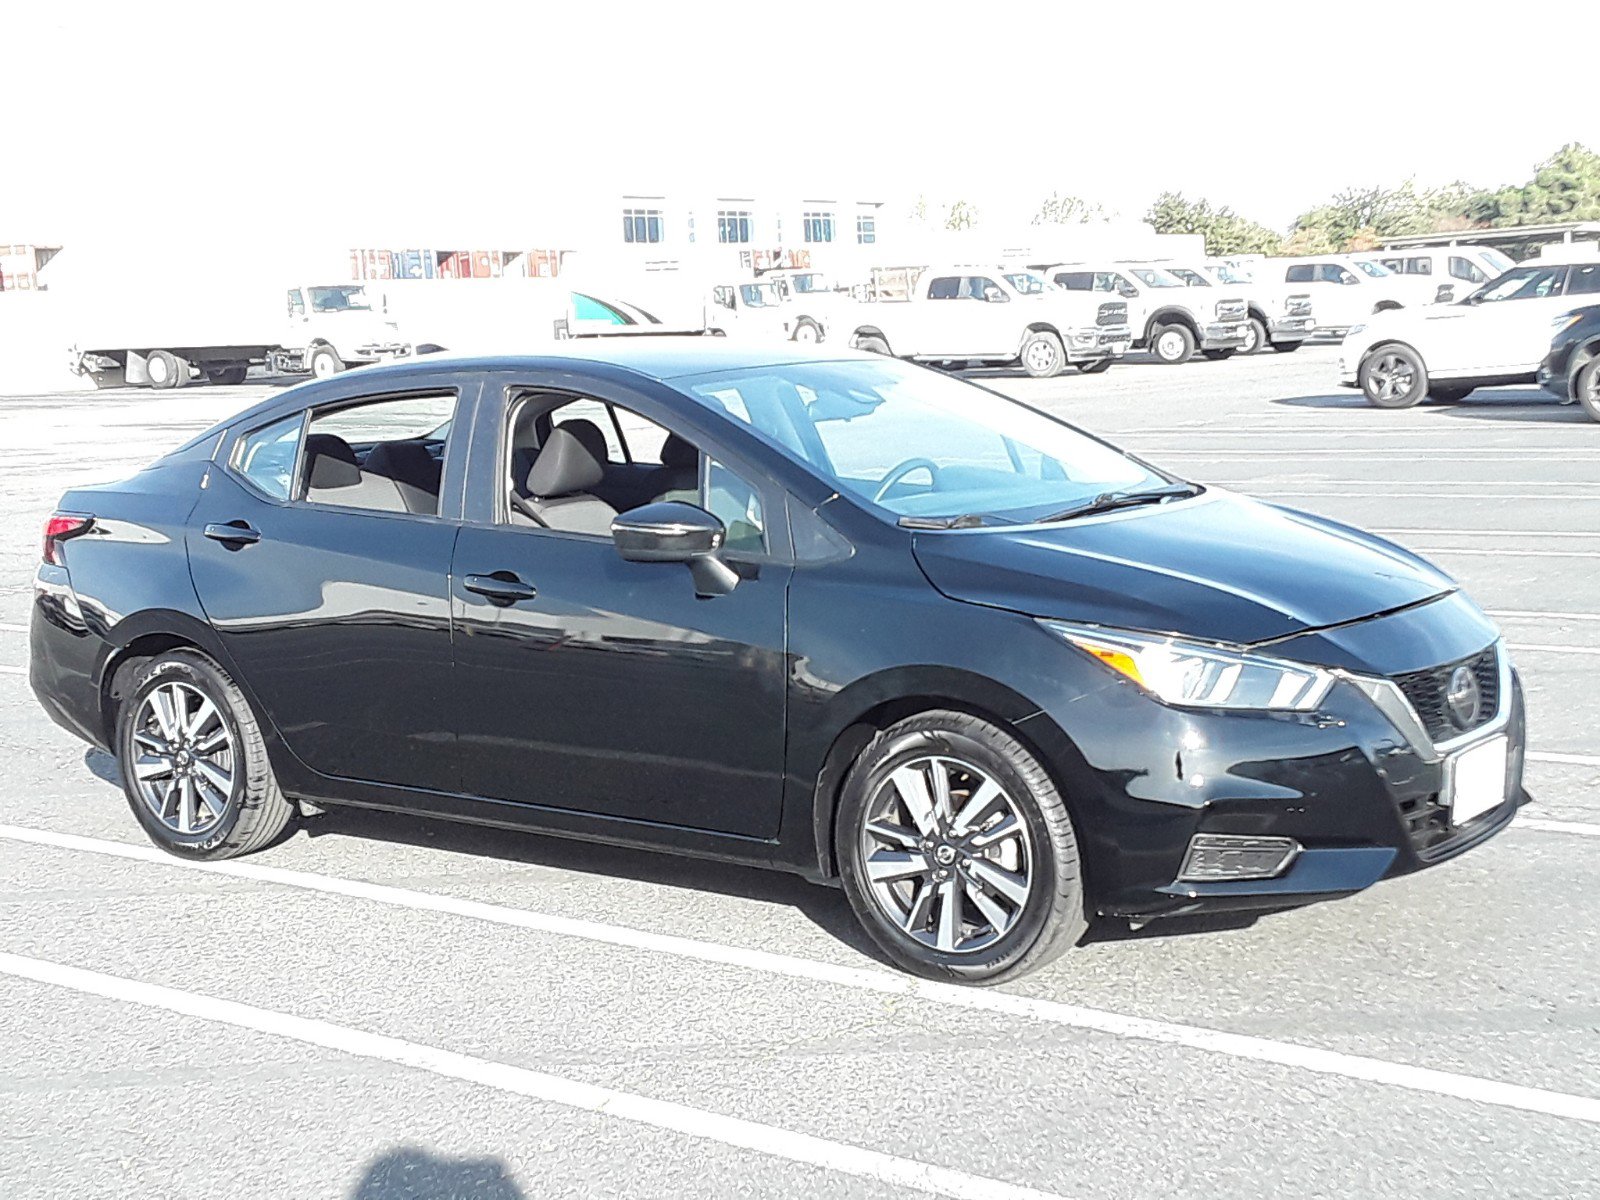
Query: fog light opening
1215, 856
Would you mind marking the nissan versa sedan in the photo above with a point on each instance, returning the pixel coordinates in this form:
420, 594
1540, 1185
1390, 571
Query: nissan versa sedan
829, 613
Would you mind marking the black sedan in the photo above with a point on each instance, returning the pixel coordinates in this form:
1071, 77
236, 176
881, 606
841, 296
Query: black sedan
1572, 368
832, 614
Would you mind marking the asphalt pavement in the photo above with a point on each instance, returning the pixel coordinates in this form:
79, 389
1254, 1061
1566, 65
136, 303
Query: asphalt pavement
382, 1007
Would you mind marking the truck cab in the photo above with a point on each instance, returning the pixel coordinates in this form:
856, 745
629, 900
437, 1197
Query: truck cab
990, 314
763, 309
334, 326
1170, 318
1279, 316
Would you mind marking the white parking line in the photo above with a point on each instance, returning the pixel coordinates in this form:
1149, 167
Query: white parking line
1507, 553
9, 628
1576, 827
552, 1089
13, 670
1519, 614
1575, 760
1545, 649
1233, 1045
1517, 533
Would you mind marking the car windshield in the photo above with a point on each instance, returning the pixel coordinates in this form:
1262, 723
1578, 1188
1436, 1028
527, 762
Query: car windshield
339, 299
1191, 277
1376, 270
1523, 283
758, 295
919, 444
1027, 282
1497, 262
1226, 274
1157, 279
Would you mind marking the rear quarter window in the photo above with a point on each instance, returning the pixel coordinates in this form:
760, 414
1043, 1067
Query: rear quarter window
266, 456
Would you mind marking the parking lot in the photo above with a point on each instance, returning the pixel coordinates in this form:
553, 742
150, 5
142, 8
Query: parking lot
381, 1007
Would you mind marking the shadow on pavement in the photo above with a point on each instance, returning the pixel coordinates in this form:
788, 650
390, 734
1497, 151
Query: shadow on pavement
410, 1173
1486, 404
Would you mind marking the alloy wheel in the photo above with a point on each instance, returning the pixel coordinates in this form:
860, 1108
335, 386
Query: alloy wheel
946, 855
1392, 377
183, 758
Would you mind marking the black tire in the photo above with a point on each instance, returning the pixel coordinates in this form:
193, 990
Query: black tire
1042, 355
165, 370
228, 376
324, 362
1172, 344
1393, 376
1287, 347
1219, 355
1448, 393
1586, 387
872, 343
1049, 921
256, 812
1095, 367
1255, 337
806, 330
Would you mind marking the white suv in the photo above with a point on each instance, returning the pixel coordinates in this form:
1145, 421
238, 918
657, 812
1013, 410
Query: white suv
1497, 335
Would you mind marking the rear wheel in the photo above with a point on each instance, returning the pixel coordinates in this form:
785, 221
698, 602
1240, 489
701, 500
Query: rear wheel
1042, 355
872, 344
325, 361
1587, 387
1393, 377
1172, 344
193, 763
957, 852
1255, 336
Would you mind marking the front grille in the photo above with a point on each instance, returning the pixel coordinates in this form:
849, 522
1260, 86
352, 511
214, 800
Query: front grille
1113, 312
1231, 310
1299, 306
1428, 690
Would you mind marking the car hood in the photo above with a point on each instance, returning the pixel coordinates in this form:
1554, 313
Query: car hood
1220, 567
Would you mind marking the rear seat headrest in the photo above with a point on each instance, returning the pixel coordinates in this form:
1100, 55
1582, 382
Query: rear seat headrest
332, 462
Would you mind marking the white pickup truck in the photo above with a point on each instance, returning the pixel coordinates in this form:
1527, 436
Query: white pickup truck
1279, 316
1346, 289
1170, 318
761, 309
1497, 335
988, 314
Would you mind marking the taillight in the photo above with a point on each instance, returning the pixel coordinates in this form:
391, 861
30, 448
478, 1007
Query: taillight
58, 529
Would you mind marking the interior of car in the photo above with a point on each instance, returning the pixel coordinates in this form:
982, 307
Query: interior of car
393, 476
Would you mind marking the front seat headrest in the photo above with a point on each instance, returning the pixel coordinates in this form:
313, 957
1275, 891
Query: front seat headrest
676, 452
405, 462
332, 460
565, 465
587, 432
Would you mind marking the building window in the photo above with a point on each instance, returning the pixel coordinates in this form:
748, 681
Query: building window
866, 228
818, 226
733, 225
641, 224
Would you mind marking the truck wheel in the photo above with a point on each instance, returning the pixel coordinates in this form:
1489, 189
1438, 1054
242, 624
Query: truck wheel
806, 330
228, 376
1042, 355
1095, 367
1255, 336
872, 344
1586, 388
1287, 347
325, 362
1172, 344
1219, 355
1393, 376
163, 369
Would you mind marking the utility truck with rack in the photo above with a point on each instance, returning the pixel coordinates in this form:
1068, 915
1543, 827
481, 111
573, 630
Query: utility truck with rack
987, 314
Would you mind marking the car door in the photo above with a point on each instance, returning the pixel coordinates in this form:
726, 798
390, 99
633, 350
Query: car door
1506, 330
991, 322
586, 683
322, 562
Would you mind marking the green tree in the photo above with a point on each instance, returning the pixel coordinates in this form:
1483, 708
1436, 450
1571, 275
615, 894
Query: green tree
1067, 210
1565, 187
1224, 231
962, 215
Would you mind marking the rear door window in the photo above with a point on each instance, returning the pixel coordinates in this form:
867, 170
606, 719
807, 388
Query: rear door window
1584, 280
1300, 273
1462, 268
383, 455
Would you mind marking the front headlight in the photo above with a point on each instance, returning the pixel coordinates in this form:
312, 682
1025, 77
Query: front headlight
1197, 675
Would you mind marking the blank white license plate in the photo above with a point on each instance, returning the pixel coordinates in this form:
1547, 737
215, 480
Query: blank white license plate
1477, 780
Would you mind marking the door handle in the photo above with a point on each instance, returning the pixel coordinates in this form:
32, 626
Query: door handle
233, 533
502, 586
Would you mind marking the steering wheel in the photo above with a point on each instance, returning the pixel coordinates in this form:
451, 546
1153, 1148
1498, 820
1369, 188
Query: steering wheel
899, 472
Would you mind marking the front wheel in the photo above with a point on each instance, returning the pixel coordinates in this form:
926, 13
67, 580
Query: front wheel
1393, 377
1043, 355
193, 762
1172, 344
325, 362
1255, 336
872, 344
1586, 387
807, 330
957, 853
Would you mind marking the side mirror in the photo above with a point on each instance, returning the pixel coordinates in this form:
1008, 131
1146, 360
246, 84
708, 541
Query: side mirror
994, 295
672, 531
1127, 290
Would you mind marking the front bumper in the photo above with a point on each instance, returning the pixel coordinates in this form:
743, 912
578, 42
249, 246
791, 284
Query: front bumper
1098, 342
382, 351
1290, 329
1224, 336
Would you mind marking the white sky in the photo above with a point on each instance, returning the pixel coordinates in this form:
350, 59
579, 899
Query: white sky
141, 120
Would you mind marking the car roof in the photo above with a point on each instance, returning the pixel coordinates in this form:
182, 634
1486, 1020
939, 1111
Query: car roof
658, 357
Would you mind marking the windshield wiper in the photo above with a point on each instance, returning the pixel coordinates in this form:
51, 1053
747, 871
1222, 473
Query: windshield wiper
963, 521
1111, 501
